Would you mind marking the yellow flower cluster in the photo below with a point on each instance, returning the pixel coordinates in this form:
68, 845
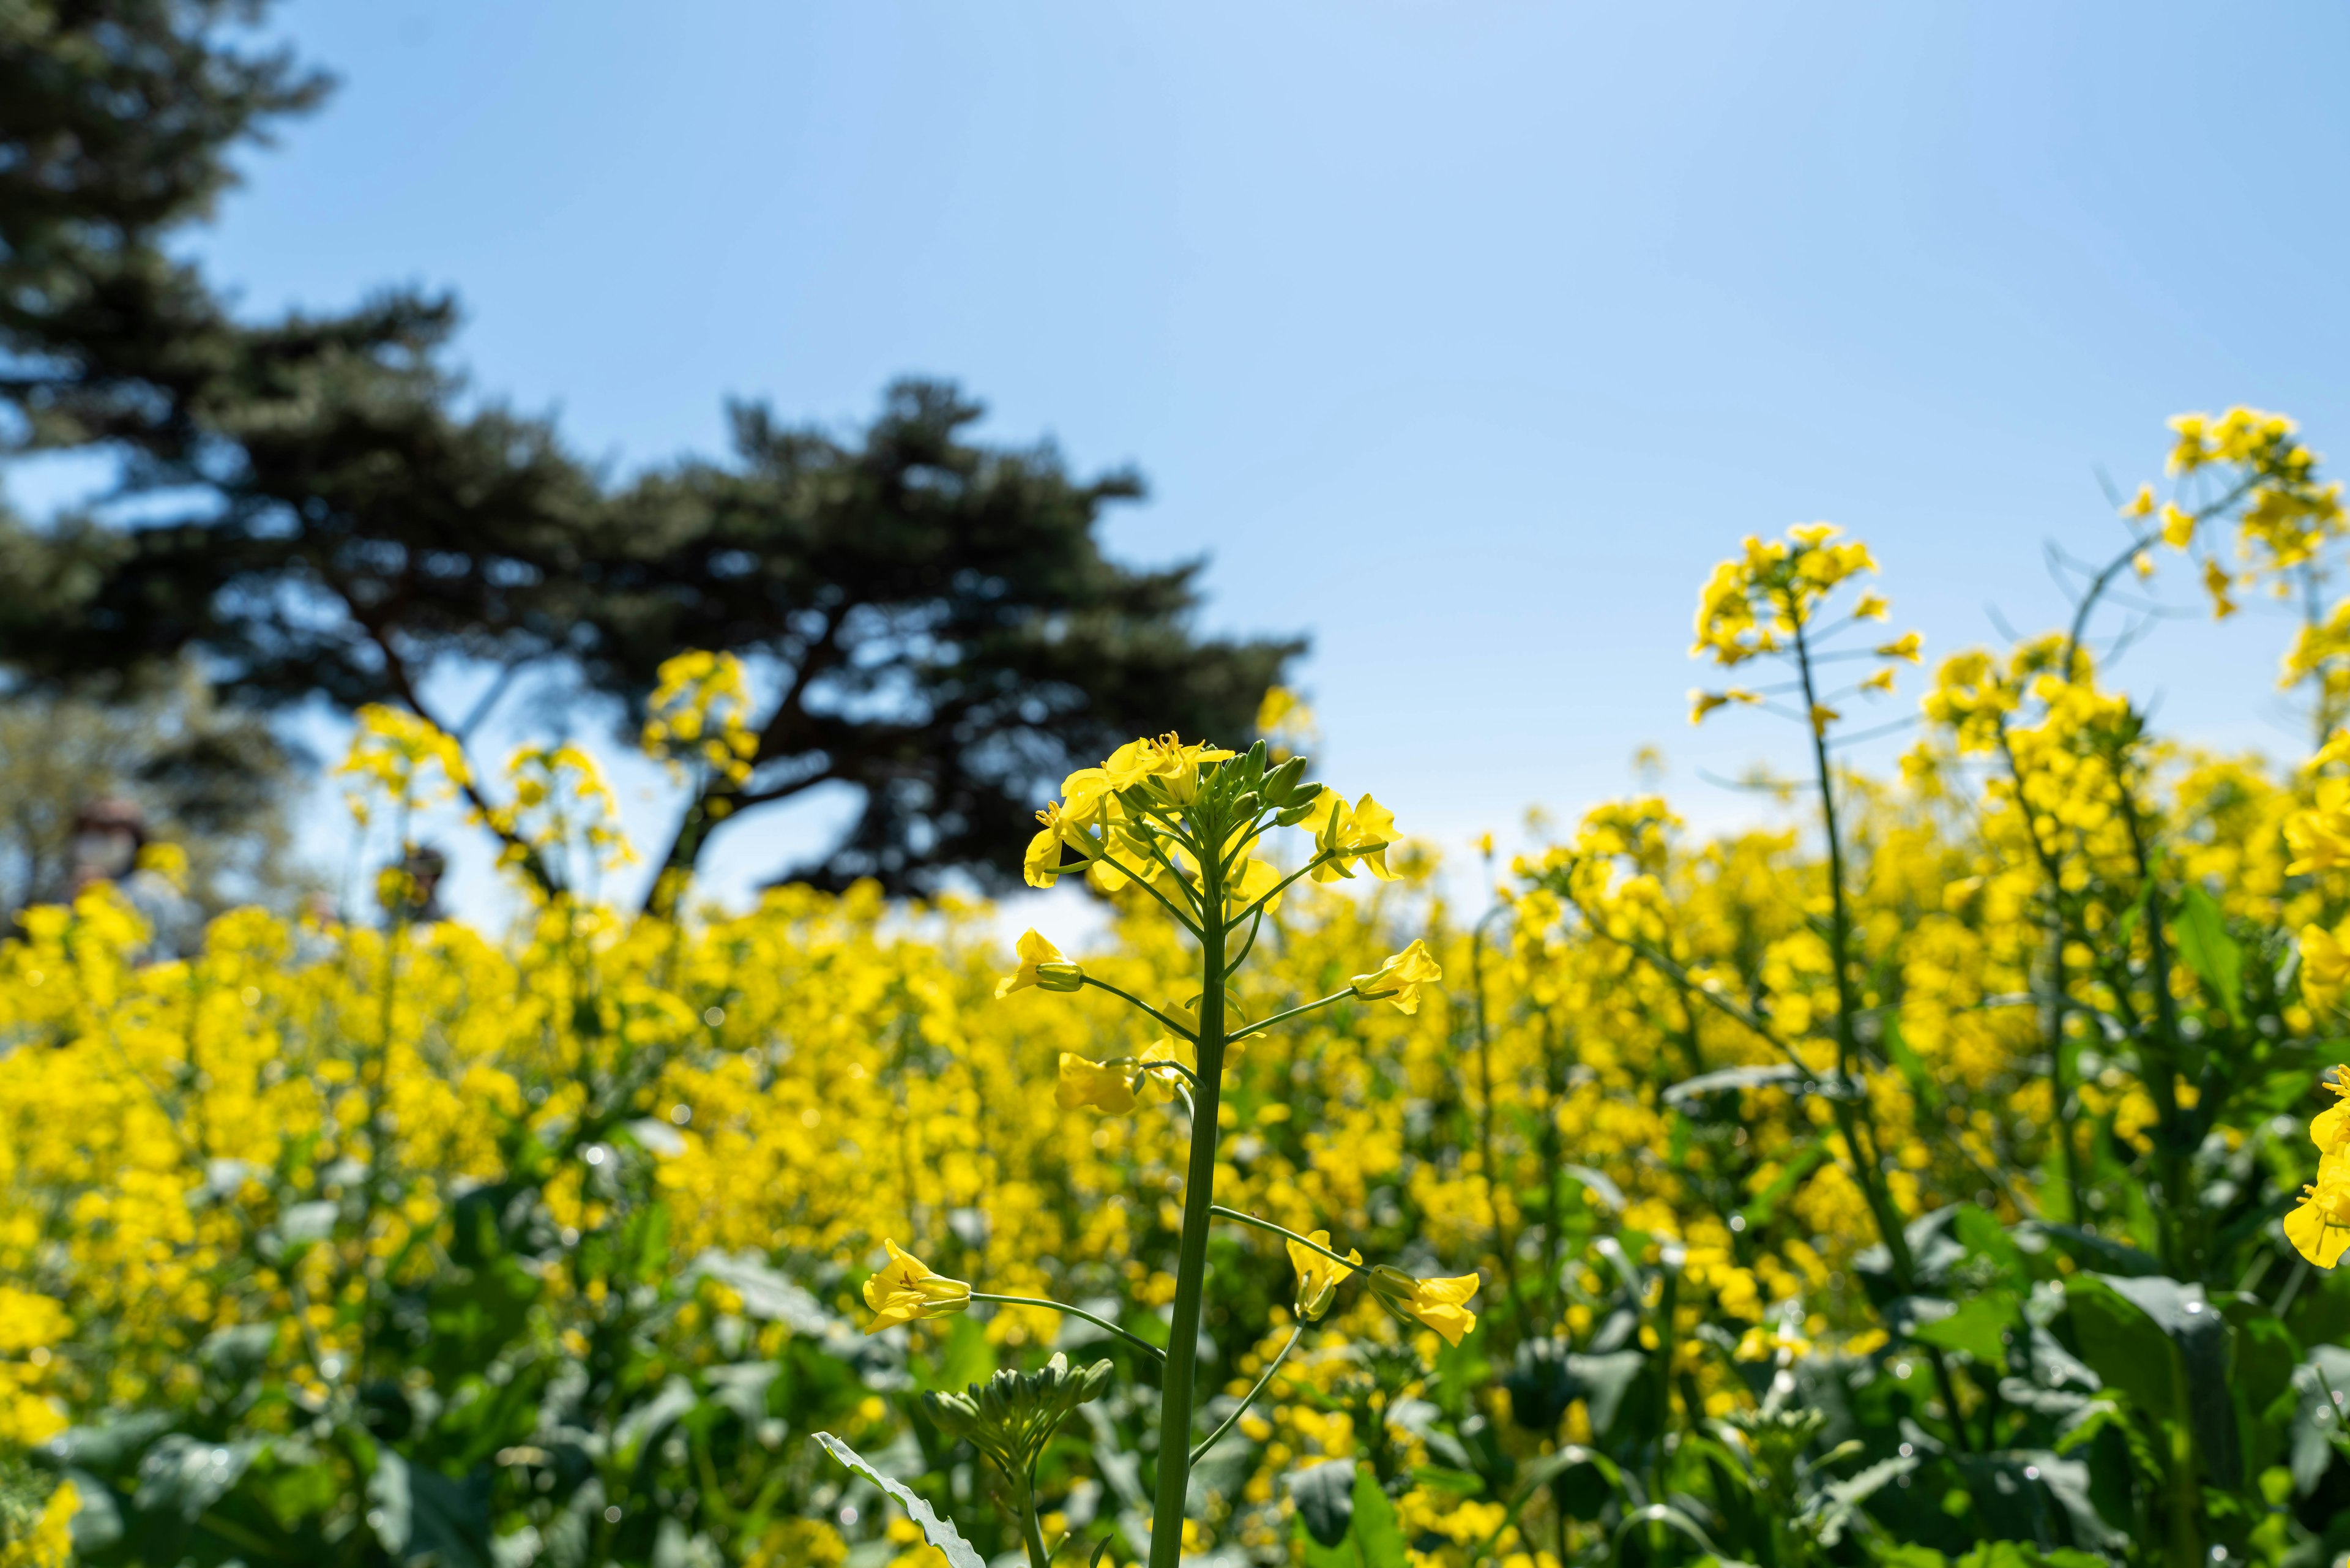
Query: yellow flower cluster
699, 715
1768, 599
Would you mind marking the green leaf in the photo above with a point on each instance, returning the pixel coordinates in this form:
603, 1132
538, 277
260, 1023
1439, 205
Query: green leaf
1325, 1501
940, 1532
1602, 1381
422, 1516
2318, 1427
2166, 1347
2200, 932
965, 1359
1376, 1533
2124, 1346
185, 1476
1978, 1328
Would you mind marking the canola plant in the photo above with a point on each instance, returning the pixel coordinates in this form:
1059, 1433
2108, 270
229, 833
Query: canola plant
1954, 1172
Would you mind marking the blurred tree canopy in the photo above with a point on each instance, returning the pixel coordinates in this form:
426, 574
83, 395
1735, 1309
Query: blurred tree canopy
325, 510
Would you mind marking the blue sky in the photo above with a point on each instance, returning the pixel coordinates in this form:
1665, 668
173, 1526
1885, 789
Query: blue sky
1464, 336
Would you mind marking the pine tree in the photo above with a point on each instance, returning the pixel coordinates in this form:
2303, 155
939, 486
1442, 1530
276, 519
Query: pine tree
945, 633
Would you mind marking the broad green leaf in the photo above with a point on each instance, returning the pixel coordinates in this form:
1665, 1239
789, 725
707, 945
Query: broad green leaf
939, 1531
2200, 932
2124, 1346
185, 1476
422, 1516
1325, 1500
1602, 1381
1376, 1533
1978, 1328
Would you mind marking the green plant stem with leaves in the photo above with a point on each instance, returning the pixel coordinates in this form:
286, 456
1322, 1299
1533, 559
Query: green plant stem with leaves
1191, 1251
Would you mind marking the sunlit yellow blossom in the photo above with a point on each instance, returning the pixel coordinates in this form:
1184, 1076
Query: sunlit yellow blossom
1821, 717
1400, 979
1880, 682
1042, 965
1318, 1276
2330, 1129
1360, 833
1101, 1085
906, 1289
1440, 1304
2320, 837
2319, 1225
2141, 504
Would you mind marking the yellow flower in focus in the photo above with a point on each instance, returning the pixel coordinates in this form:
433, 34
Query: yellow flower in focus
2319, 1227
1255, 880
1361, 833
1439, 1304
1041, 965
2330, 1129
906, 1289
1400, 978
1097, 1084
1318, 1276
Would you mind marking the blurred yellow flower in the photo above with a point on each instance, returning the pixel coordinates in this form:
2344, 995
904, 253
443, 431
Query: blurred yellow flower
1098, 1084
1439, 1304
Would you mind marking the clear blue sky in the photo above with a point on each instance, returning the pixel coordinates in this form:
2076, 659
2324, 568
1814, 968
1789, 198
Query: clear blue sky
1464, 336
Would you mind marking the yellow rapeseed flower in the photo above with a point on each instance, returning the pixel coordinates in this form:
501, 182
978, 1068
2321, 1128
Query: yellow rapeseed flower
1906, 646
1041, 965
906, 1289
1439, 1304
1400, 978
2325, 966
1098, 1084
1318, 1276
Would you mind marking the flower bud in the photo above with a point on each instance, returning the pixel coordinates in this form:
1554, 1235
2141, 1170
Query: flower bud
1059, 977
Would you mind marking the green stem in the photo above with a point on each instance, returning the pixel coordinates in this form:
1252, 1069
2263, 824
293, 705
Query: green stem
1223, 1213
1209, 1442
1072, 1312
1298, 1011
1030, 1530
1191, 1255
1129, 996
1280, 887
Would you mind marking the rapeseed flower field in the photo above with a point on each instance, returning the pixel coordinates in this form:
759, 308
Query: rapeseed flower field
1952, 1172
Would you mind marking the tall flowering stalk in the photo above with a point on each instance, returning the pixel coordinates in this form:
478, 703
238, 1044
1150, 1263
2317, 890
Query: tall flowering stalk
1186, 825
